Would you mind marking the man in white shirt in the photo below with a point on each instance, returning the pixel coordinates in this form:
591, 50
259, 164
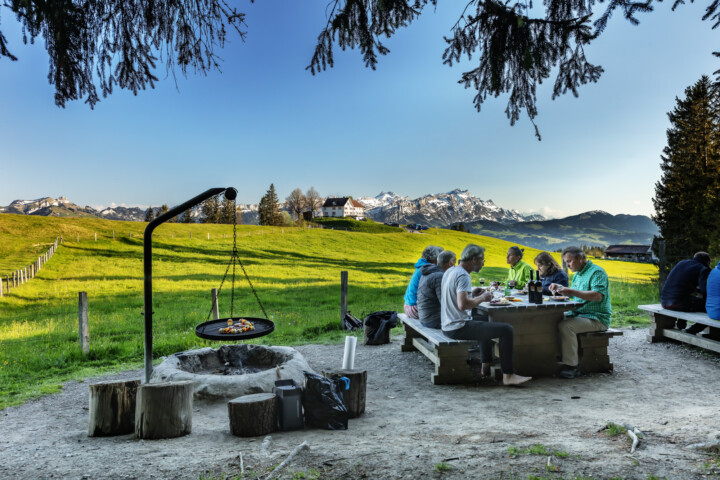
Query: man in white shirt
457, 301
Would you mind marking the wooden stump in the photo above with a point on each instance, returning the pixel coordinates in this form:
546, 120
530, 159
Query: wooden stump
354, 397
112, 408
252, 415
164, 410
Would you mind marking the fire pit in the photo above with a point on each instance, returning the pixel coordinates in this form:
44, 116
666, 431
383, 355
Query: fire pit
232, 370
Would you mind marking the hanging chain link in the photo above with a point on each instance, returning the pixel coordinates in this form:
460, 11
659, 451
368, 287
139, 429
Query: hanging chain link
235, 260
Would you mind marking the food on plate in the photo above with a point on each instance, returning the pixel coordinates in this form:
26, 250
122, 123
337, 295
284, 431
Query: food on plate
500, 301
559, 298
522, 292
242, 326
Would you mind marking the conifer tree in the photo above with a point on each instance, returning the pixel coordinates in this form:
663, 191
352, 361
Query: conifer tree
227, 210
149, 214
211, 210
269, 208
187, 216
687, 197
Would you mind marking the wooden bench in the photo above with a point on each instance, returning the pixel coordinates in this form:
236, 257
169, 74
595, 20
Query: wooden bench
663, 326
449, 356
593, 350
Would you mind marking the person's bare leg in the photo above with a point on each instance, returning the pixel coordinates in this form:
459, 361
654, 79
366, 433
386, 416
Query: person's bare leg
485, 371
513, 379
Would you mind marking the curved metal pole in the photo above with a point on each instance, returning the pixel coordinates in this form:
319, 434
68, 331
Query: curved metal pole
230, 193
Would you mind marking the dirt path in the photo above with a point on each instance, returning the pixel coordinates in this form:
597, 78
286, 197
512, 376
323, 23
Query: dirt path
412, 427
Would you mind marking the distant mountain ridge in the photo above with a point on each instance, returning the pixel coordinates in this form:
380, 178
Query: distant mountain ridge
439, 210
589, 228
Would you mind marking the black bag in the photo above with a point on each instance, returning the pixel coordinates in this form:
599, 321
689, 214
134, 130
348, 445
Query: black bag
323, 402
351, 322
377, 324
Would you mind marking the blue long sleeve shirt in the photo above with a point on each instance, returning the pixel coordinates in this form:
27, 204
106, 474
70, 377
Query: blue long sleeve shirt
411, 292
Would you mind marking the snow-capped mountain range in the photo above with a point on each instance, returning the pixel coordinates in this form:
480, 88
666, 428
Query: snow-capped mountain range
440, 209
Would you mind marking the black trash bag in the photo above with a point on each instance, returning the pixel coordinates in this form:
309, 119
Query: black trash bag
377, 323
351, 322
323, 402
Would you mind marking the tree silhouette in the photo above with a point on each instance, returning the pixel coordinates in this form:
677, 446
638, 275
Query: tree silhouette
95, 46
149, 214
687, 197
296, 203
313, 201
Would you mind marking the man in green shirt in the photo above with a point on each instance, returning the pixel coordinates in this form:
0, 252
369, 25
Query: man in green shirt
590, 286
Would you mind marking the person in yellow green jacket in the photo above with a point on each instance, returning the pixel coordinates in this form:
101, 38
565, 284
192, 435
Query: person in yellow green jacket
519, 270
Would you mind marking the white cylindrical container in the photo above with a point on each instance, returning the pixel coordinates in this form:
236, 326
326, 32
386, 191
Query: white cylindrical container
349, 355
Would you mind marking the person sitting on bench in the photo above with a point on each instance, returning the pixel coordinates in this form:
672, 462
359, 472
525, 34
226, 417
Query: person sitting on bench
590, 285
429, 256
685, 288
456, 303
712, 305
429, 290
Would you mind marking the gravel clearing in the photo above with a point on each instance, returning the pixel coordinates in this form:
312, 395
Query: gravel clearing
412, 429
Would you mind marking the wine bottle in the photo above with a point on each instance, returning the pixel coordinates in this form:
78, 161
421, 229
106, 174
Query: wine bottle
538, 289
531, 289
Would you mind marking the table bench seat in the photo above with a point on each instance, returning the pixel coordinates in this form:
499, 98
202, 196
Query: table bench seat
448, 355
664, 325
593, 350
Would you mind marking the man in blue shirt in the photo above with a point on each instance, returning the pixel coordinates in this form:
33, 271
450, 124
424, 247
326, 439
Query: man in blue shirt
712, 305
685, 288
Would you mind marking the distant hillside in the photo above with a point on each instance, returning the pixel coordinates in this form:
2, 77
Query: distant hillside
589, 228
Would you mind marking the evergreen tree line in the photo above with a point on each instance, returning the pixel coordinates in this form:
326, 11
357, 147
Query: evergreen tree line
213, 211
687, 196
298, 205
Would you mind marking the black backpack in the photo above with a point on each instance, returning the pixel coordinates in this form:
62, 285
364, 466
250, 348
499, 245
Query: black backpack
377, 323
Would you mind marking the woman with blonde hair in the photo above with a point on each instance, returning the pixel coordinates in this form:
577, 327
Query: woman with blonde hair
550, 272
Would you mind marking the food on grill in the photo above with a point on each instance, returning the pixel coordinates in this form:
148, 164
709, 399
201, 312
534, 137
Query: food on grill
242, 326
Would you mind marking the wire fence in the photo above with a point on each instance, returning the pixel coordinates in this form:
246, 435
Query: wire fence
24, 274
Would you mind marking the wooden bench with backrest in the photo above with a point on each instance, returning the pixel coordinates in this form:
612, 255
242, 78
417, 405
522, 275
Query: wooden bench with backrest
664, 322
450, 356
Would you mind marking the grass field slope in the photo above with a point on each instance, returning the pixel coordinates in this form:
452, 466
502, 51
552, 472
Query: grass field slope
295, 271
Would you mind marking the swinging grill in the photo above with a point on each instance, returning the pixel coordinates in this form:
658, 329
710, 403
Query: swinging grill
208, 329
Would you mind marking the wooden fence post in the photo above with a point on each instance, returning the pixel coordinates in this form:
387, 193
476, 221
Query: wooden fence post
78, 238
1, 287
96, 236
208, 235
215, 308
130, 234
84, 328
113, 234
343, 296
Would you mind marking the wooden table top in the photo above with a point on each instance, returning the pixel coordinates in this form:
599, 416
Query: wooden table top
524, 304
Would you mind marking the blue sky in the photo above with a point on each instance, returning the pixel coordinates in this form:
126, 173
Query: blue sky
407, 127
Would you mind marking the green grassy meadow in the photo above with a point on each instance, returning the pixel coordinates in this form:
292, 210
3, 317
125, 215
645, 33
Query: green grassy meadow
296, 273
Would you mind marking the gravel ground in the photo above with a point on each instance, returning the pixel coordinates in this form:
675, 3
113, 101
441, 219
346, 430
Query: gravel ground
412, 429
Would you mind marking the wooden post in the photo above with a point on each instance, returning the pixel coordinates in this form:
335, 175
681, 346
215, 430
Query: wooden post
215, 308
113, 234
78, 238
83, 326
130, 234
172, 235
1, 288
112, 408
343, 296
96, 236
208, 236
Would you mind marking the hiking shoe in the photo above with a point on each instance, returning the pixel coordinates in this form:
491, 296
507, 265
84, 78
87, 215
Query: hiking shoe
695, 328
569, 372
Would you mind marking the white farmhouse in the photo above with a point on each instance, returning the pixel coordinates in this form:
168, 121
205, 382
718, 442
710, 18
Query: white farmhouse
343, 207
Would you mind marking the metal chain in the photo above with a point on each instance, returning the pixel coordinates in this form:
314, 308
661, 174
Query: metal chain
235, 260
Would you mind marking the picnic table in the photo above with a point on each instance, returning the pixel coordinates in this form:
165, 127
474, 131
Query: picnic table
536, 338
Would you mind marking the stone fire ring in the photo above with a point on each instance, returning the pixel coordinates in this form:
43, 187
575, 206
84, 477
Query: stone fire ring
198, 366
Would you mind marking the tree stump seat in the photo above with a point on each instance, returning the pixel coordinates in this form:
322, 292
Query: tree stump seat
164, 410
111, 409
253, 415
